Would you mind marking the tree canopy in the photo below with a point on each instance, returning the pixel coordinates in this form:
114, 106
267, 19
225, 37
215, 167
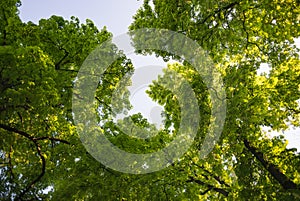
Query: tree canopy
42, 157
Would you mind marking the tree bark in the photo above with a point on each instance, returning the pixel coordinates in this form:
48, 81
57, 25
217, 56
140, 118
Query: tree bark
276, 173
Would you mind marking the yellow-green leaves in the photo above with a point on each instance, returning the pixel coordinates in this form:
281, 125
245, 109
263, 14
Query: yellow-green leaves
240, 37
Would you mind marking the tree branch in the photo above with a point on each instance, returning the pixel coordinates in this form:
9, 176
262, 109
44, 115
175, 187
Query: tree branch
57, 65
52, 139
210, 187
217, 178
39, 152
43, 171
24, 134
231, 5
14, 130
276, 173
68, 70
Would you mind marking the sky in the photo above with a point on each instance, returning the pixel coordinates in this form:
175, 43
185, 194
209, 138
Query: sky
116, 15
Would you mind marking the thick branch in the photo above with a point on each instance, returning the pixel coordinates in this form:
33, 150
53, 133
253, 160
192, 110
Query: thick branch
210, 187
14, 130
57, 65
28, 136
39, 152
284, 181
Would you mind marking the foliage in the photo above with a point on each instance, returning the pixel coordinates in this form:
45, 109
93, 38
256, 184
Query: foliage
40, 148
239, 37
38, 67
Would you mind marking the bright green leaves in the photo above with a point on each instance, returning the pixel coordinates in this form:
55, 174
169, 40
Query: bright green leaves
38, 139
156, 140
28, 104
30, 82
38, 65
240, 37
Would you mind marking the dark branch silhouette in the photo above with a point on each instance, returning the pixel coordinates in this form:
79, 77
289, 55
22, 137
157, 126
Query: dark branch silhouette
35, 141
209, 186
276, 173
